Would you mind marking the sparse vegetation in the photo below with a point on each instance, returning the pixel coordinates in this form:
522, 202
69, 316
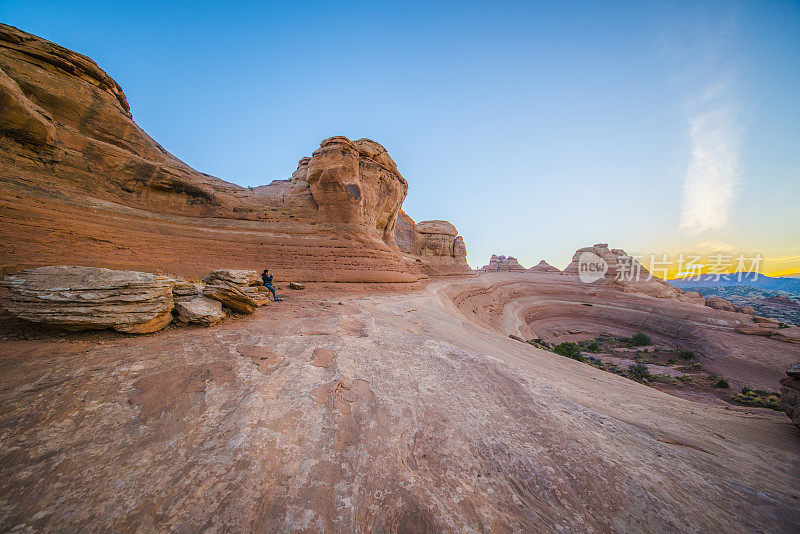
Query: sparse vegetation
686, 355
593, 346
570, 350
759, 398
640, 339
722, 383
639, 372
696, 366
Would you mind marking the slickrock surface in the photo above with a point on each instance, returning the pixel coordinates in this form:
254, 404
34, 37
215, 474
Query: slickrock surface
434, 246
81, 298
543, 266
503, 263
790, 393
69, 147
428, 418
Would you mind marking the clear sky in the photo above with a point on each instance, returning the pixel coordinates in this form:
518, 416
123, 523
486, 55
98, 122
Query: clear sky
535, 128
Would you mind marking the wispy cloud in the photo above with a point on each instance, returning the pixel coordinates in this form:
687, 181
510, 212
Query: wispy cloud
710, 186
715, 128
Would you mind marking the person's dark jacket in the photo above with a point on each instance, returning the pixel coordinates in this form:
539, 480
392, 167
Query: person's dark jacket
267, 279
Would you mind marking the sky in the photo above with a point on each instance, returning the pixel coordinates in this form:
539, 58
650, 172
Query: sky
536, 128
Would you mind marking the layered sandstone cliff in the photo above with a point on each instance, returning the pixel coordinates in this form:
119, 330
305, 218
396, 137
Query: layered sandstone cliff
81, 183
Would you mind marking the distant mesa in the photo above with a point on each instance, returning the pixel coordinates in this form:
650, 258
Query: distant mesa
544, 267
503, 263
82, 184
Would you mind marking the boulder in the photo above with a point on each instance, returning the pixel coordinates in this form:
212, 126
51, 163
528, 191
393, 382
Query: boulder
719, 303
183, 290
235, 276
260, 294
231, 296
790, 393
692, 297
200, 310
748, 310
85, 298
296, 285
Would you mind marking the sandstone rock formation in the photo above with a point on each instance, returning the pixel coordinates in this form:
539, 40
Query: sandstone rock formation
790, 393
69, 146
620, 264
85, 298
240, 290
503, 263
719, 303
544, 267
435, 248
200, 310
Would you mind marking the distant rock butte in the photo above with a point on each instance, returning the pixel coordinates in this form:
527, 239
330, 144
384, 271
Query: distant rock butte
545, 267
503, 263
69, 148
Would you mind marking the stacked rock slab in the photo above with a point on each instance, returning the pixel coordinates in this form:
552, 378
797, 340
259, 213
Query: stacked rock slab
240, 290
790, 393
503, 263
69, 146
85, 298
434, 246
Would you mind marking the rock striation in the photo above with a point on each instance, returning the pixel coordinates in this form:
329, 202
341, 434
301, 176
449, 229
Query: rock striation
69, 146
241, 291
790, 393
544, 267
86, 298
503, 263
434, 247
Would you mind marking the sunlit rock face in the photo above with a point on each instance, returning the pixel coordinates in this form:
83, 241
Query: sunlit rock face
503, 263
435, 245
81, 183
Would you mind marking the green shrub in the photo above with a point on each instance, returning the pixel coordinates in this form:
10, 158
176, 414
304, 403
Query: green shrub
639, 372
696, 366
570, 350
722, 383
751, 398
640, 339
686, 355
593, 346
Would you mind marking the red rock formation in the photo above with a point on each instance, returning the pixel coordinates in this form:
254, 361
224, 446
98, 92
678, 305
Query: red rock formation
435, 246
503, 263
545, 267
81, 183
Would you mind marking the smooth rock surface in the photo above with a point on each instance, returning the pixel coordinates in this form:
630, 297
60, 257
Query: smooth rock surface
86, 298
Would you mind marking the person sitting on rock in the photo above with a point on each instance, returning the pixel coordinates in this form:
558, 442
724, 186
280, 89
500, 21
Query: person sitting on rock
267, 279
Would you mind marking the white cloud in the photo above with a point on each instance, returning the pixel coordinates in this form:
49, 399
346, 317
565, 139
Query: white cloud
710, 187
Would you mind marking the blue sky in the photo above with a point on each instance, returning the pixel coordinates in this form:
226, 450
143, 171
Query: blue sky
536, 128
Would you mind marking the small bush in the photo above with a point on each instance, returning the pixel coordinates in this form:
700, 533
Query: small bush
722, 383
763, 399
640, 339
672, 361
783, 325
570, 350
593, 347
639, 372
694, 367
686, 355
